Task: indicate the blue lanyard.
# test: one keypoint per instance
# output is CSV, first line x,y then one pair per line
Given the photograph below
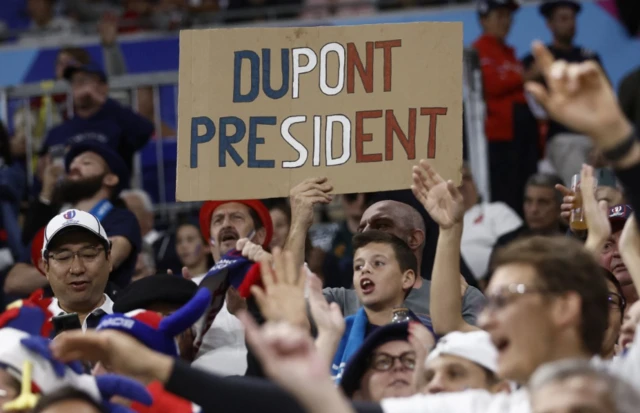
x,y
101,209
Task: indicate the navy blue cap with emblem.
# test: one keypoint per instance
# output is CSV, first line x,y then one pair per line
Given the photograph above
x,y
548,6
486,6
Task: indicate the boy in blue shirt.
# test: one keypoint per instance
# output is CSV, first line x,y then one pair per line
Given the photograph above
x,y
384,271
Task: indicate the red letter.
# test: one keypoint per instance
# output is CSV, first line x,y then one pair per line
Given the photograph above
x,y
391,126
433,122
362,137
366,74
387,45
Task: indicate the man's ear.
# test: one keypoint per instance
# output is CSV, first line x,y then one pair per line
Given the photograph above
x,y
566,310
45,265
260,236
408,280
111,180
416,239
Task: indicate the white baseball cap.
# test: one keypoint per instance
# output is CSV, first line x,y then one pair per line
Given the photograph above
x,y
475,346
73,218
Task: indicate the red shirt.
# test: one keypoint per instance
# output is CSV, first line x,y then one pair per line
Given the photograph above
x,y
503,86
164,402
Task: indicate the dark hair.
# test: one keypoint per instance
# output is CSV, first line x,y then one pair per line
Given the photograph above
x,y
79,54
282,207
64,394
562,265
546,180
257,222
612,278
405,257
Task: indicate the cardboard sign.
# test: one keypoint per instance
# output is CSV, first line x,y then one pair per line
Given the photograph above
x,y
262,109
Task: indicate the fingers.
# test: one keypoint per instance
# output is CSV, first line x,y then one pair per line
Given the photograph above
x,y
564,190
261,299
279,266
432,176
240,245
186,274
543,57
267,272
539,92
76,345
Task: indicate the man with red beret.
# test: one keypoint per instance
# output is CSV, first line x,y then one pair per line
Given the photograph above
x,y
220,341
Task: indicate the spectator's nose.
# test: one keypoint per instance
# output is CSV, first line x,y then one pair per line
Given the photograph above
x,y
436,385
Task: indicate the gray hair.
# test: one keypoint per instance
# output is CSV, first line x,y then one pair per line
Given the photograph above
x,y
140,193
546,180
623,395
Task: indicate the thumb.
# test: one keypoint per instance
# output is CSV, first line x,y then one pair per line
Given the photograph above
x,y
241,243
538,92
185,273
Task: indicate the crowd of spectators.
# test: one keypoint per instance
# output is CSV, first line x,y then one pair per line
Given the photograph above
x,y
430,299
28,20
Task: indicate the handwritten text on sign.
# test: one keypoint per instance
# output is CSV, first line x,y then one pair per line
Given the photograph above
x,y
298,62
262,109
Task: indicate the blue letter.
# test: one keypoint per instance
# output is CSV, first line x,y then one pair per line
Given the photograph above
x,y
226,140
210,131
255,140
237,76
266,74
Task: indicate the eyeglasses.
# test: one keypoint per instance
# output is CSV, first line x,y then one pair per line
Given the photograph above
x,y
510,293
87,255
385,361
617,301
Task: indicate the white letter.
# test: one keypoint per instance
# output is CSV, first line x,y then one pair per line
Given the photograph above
x,y
298,70
324,87
346,140
317,125
300,148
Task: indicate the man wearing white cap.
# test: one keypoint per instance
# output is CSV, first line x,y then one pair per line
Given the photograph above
x,y
77,262
463,361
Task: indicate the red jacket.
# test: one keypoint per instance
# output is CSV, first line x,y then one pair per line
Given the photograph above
x,y
503,86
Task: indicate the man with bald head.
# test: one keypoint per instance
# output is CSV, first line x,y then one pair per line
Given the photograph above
x,y
393,217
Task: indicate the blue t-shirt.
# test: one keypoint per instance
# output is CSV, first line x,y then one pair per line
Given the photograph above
x,y
114,125
121,222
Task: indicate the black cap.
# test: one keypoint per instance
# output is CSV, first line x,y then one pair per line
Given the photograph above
x,y
486,6
160,288
358,363
112,158
547,8
91,68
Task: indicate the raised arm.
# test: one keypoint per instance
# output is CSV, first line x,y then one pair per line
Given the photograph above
x,y
445,205
303,198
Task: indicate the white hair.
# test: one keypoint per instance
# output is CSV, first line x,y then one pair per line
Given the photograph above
x,y
140,193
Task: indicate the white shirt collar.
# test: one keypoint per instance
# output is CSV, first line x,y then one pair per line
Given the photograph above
x,y
107,307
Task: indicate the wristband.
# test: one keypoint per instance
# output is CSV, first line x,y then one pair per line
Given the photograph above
x,y
620,150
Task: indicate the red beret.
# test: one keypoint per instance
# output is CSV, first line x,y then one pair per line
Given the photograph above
x,y
263,213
